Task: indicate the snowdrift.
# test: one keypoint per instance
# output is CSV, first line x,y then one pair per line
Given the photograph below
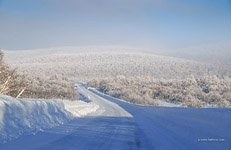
x,y
18,117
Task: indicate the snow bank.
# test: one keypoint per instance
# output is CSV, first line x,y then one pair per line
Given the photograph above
x,y
18,117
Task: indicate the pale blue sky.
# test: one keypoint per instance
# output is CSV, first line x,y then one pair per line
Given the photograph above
x,y
166,24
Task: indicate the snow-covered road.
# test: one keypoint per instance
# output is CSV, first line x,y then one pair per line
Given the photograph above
x,y
107,108
120,125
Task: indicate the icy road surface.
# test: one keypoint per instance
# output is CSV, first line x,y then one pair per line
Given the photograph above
x,y
120,125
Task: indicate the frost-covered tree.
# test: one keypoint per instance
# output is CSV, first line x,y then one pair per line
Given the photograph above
x,y
189,92
10,82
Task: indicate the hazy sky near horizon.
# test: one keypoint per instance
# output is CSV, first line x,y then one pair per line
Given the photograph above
x,y
167,24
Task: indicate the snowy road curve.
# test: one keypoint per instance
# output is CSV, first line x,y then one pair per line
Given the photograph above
x,y
120,125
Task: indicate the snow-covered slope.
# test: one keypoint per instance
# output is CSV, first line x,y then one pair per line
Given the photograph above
x,y
18,117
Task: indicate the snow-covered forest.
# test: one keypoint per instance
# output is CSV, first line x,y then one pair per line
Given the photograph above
x,y
17,84
82,64
206,91
125,73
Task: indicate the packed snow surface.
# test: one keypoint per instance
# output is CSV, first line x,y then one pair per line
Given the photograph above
x,y
80,108
24,116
